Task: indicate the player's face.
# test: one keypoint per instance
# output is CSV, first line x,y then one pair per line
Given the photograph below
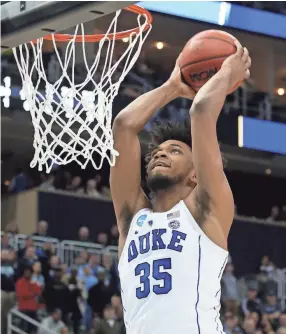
x,y
171,161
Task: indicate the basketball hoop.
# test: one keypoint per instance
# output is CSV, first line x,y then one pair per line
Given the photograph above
x,y
72,120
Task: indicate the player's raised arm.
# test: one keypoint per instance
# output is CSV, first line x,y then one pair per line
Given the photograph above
x,y
213,188
125,177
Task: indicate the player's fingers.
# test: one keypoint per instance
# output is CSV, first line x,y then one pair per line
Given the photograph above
x,y
238,47
245,55
247,74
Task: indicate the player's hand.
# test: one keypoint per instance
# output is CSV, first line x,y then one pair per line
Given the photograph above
x,y
237,65
182,90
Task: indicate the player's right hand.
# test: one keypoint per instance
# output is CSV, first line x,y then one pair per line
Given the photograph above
x,y
237,65
182,90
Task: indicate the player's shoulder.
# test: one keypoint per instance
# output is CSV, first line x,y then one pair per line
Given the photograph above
x,y
128,214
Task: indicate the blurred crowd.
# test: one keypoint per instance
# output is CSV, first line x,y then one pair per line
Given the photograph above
x,y
92,186
81,298
58,180
253,308
84,297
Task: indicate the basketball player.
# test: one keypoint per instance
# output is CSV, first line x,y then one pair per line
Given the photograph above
x,y
173,247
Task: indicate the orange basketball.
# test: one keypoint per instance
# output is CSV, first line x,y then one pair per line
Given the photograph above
x,y
203,56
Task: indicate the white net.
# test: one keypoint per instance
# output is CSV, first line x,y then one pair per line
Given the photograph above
x,y
71,119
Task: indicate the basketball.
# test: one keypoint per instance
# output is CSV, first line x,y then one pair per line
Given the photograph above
x,y
203,56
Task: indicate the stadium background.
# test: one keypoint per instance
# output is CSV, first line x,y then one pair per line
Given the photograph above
x,y
66,221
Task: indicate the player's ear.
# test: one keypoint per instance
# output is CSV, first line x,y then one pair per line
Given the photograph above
x,y
192,181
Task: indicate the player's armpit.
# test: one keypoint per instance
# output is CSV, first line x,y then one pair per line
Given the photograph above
x,y
125,176
213,189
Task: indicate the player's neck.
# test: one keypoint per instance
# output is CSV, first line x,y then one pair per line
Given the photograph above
x,y
165,200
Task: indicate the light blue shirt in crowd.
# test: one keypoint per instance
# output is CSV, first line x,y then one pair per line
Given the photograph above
x,y
89,281
38,279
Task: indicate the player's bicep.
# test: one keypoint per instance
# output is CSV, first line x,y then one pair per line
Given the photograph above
x,y
125,176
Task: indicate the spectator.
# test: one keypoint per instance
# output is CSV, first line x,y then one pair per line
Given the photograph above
x,y
91,189
108,325
79,261
256,317
42,229
107,261
28,243
48,182
75,296
94,264
111,275
114,235
67,178
7,286
267,266
274,215
49,267
251,303
53,323
282,320
64,330
27,293
12,228
105,191
117,306
100,294
84,255
88,282
48,250
75,185
266,325
54,69
102,239
83,234
5,242
229,289
37,276
28,260
19,182
249,326
231,324
57,295
272,309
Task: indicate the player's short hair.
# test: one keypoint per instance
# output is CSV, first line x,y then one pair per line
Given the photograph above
x,y
163,131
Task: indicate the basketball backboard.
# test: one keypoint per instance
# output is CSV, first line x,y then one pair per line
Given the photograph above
x,y
23,21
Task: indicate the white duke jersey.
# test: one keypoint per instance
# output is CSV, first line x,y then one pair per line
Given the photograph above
x,y
170,274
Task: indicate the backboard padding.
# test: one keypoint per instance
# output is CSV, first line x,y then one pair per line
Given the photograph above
x,y
40,18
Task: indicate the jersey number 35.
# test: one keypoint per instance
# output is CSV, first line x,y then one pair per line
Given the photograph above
x,y
159,273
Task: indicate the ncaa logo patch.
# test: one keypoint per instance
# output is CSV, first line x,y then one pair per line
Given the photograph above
x,y
174,224
141,219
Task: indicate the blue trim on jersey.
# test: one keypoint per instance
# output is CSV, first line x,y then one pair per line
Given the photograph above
x,y
217,315
221,269
216,318
198,284
218,292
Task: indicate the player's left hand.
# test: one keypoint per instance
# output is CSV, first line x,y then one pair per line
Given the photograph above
x,y
181,88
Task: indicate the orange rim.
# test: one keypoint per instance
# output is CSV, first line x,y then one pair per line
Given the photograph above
x,y
98,37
